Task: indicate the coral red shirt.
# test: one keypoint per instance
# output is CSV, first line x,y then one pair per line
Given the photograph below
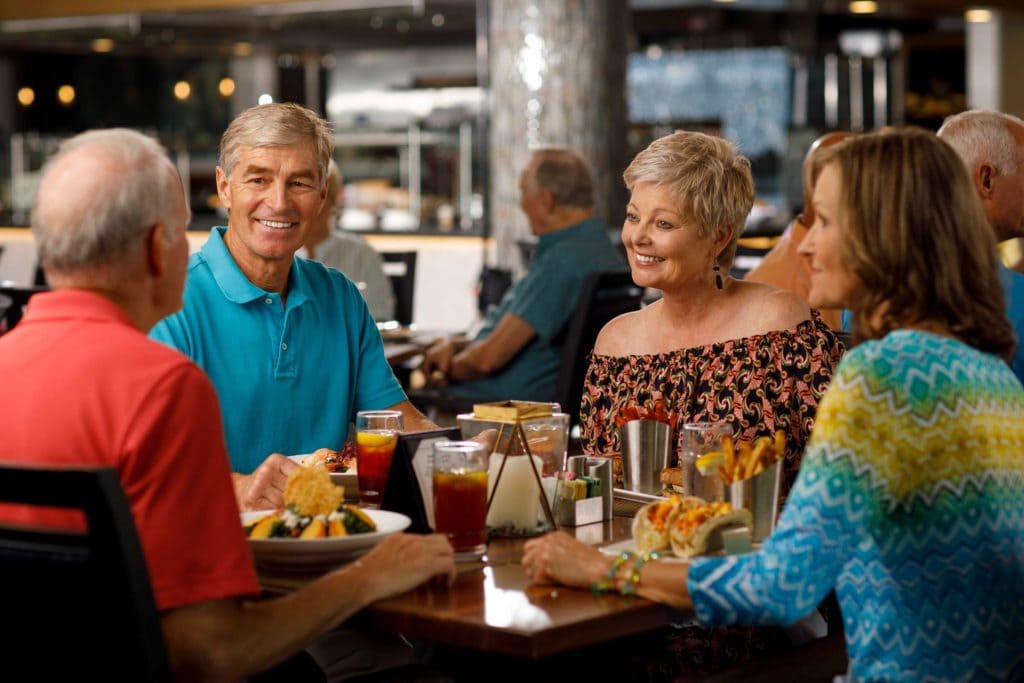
x,y
83,386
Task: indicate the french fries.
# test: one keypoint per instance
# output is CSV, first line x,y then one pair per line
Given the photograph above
x,y
744,460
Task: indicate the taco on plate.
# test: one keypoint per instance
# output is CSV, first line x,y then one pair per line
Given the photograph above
x,y
692,531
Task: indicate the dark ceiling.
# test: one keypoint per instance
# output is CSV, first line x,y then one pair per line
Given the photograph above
x,y
284,28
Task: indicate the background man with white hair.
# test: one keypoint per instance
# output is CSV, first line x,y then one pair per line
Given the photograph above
x,y
991,145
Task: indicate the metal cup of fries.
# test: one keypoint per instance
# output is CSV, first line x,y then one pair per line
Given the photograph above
x,y
752,474
760,495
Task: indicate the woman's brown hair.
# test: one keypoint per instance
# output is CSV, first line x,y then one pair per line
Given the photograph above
x,y
917,238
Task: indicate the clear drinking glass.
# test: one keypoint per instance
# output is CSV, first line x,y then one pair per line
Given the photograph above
x,y
376,437
700,438
460,496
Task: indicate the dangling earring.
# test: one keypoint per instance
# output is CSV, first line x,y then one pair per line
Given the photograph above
x,y
718,275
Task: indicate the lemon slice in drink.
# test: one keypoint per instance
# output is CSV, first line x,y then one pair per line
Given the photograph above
x,y
710,462
372,439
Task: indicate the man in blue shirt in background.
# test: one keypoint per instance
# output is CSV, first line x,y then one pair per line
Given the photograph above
x,y
991,145
516,354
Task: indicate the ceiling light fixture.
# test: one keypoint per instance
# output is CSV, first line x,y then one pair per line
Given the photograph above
x,y
863,6
242,49
26,96
978,15
103,45
226,87
182,90
66,95
320,6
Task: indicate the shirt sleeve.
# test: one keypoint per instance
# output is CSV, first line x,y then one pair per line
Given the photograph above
x,y
546,298
177,473
826,517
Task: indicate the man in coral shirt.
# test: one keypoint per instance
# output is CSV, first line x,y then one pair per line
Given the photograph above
x,y
85,386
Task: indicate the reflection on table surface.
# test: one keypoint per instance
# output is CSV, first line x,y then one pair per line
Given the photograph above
x,y
492,606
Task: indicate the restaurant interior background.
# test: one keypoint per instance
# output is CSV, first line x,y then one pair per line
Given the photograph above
x,y
435,102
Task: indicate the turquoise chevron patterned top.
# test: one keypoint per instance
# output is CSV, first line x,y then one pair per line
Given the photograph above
x,y
910,503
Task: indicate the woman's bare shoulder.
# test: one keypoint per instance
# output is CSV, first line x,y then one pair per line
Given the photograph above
x,y
770,308
618,336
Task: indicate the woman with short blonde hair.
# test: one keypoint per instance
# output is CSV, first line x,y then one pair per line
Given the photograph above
x,y
712,349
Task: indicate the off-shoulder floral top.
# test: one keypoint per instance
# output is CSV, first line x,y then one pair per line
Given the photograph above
x,y
762,383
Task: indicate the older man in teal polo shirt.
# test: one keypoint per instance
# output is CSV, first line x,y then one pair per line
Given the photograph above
x,y
289,344
515,354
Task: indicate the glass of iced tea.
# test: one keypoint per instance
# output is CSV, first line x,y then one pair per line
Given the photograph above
x,y
460,496
376,436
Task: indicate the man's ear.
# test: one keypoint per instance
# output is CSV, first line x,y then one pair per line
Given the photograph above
x,y
983,179
155,258
548,199
223,189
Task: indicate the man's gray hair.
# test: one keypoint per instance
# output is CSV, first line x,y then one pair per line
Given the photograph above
x,y
566,175
88,220
982,136
273,125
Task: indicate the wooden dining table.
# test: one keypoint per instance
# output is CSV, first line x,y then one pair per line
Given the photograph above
x,y
492,607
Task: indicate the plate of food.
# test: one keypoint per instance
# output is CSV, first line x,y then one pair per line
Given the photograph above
x,y
315,529
685,526
340,464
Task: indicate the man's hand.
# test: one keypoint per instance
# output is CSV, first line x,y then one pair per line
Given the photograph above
x,y
437,359
403,561
264,488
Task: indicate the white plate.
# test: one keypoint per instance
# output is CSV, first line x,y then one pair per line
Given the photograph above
x,y
347,479
320,553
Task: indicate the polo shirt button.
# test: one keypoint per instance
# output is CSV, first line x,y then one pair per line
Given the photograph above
x,y
268,300
284,346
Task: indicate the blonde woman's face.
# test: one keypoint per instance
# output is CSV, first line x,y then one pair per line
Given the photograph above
x,y
833,283
664,246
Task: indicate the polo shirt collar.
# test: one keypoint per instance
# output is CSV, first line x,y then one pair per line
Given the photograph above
x,y
545,242
232,281
78,304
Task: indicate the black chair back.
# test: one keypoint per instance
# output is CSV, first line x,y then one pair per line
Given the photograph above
x,y
77,605
400,267
604,296
12,304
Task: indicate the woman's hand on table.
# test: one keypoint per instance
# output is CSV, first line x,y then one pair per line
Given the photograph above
x,y
403,561
559,558
264,488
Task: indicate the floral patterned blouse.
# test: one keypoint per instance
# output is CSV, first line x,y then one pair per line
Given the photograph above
x,y
762,383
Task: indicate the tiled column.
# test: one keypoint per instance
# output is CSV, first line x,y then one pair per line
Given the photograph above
x,y
557,76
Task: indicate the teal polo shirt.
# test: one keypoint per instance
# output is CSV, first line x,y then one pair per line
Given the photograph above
x,y
544,298
1013,290
290,379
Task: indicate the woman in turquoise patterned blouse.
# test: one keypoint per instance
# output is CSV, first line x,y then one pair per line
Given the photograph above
x,y
909,499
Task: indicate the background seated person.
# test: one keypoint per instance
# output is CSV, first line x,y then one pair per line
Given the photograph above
x,y
515,355
85,387
991,145
782,266
289,344
348,252
908,500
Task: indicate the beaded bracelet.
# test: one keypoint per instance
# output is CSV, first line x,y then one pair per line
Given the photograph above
x,y
629,587
608,582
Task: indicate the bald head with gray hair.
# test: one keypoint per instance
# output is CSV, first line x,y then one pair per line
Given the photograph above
x,y
980,136
99,196
566,175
